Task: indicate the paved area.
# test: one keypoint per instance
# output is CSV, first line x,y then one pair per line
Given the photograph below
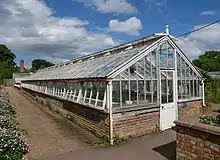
x,y
46,136
50,140
150,147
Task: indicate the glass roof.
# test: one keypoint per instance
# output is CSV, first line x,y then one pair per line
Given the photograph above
x,y
98,66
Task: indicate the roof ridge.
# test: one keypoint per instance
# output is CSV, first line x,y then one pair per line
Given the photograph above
x,y
114,48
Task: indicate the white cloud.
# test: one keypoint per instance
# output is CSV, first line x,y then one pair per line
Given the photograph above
x,y
110,6
199,42
29,27
161,2
208,13
131,26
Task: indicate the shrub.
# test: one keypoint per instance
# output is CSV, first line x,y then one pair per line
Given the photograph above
x,y
8,122
6,108
12,144
214,121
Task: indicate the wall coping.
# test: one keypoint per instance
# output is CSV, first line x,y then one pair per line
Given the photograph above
x,y
189,100
199,126
152,107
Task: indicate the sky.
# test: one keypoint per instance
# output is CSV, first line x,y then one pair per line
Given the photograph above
x,y
58,30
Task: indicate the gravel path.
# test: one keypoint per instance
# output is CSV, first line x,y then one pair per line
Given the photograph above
x,y
46,135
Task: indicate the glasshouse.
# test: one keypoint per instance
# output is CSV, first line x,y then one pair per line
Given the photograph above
x,y
128,90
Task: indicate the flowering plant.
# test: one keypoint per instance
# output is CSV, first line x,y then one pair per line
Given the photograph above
x,y
13,144
209,119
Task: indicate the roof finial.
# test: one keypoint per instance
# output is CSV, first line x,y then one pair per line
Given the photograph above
x,y
167,30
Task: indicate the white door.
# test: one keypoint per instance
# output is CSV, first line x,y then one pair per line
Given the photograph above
x,y
167,98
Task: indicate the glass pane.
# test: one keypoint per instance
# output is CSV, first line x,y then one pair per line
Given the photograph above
x,y
133,91
167,87
125,92
164,88
179,89
116,93
170,90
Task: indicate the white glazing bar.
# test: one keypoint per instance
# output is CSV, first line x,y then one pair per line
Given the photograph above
x,y
145,86
185,80
167,87
167,55
137,83
64,92
193,84
46,89
67,94
97,96
158,74
79,95
197,85
56,92
70,95
203,93
120,91
84,98
181,76
74,95
104,100
151,77
129,85
190,79
90,96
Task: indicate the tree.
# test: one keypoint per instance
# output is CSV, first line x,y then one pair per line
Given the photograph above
x,y
7,55
40,64
6,63
210,61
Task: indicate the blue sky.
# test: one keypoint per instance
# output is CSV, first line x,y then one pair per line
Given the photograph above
x,y
61,30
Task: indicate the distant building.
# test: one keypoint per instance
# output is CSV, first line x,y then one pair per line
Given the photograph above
x,y
215,74
17,78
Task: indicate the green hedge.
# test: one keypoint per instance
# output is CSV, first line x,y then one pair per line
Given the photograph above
x,y
212,90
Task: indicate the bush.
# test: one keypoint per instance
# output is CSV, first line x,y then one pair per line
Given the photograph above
x,y
214,121
8,122
6,108
212,90
12,144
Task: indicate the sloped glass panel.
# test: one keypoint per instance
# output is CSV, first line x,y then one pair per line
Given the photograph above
x,y
188,82
166,56
138,83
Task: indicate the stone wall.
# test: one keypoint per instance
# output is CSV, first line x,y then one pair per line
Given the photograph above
x,y
136,122
190,109
91,119
197,141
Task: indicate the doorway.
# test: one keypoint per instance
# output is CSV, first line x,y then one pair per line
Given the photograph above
x,y
167,98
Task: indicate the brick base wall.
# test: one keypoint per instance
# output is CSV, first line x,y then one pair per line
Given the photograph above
x,y
135,123
197,141
93,120
190,109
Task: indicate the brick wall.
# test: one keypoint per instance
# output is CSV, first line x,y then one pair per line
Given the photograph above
x,y
197,141
135,123
93,120
189,109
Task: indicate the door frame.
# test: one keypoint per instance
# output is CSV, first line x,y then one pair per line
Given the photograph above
x,y
174,93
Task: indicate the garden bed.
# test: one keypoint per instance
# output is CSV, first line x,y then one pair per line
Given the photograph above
x,y
13,144
210,120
